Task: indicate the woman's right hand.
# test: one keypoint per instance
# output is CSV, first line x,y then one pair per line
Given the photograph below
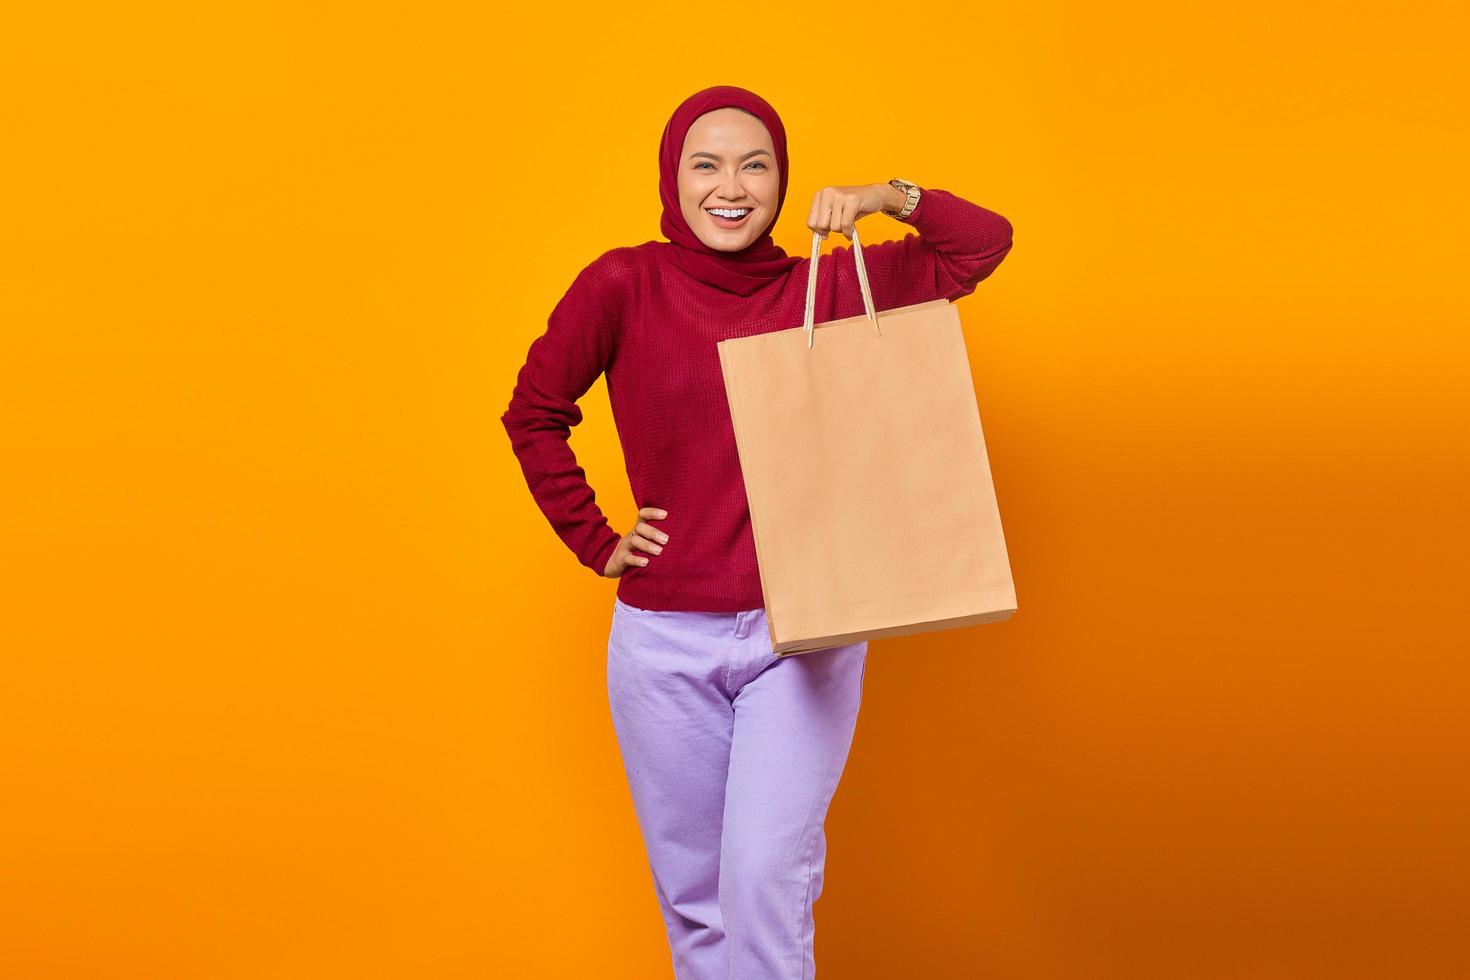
x,y
643,537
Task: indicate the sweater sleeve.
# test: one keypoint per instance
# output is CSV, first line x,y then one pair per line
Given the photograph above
x,y
957,246
560,367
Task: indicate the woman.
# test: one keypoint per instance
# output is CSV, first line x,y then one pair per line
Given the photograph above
x,y
732,754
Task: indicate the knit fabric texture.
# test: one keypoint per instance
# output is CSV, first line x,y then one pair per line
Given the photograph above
x,y
637,317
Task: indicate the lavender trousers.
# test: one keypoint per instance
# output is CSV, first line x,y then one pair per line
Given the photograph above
x,y
732,755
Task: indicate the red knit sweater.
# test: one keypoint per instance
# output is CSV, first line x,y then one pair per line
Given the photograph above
x,y
652,329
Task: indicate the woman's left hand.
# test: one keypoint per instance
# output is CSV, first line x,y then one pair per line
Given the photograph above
x,y
839,208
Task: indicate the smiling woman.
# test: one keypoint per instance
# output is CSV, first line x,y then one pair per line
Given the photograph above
x,y
728,180
724,149
732,752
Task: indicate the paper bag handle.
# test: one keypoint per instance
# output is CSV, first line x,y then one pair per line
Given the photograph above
x,y
811,285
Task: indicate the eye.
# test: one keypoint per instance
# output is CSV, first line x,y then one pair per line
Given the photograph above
x,y
753,163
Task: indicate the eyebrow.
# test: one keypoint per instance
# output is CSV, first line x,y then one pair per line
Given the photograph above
x,y
716,156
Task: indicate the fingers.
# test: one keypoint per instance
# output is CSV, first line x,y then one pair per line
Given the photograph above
x,y
625,548
646,537
652,533
622,559
826,199
644,544
846,215
834,209
817,215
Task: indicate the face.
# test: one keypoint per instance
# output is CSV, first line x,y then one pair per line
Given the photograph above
x,y
728,163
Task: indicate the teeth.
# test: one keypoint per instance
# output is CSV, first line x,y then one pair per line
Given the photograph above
x,y
726,213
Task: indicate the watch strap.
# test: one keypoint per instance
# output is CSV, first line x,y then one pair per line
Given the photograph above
x,y
912,190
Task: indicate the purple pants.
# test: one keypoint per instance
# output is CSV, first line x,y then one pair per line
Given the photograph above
x,y
732,755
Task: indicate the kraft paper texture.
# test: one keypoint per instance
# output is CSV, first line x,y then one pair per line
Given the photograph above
x,y
867,477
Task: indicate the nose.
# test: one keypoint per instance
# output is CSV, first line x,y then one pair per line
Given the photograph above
x,y
731,190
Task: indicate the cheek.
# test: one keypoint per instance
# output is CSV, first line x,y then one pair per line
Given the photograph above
x,y
691,194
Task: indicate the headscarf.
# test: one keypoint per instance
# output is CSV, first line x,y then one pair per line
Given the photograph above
x,y
760,262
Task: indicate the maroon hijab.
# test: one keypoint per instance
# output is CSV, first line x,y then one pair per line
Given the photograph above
x,y
760,262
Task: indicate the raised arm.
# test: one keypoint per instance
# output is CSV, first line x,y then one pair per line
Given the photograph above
x,y
957,246
560,367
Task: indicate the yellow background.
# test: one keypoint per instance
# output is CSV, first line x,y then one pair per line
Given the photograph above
x,y
298,683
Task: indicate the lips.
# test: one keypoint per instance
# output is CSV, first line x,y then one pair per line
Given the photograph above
x,y
724,222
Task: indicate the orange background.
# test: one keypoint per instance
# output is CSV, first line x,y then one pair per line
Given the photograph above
x,y
298,683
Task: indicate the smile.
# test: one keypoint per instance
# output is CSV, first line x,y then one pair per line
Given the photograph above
x,y
728,217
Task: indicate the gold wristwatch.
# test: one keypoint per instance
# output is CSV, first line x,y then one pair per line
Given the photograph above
x,y
912,190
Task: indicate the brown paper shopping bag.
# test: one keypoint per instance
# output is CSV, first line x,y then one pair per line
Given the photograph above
x,y
866,473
